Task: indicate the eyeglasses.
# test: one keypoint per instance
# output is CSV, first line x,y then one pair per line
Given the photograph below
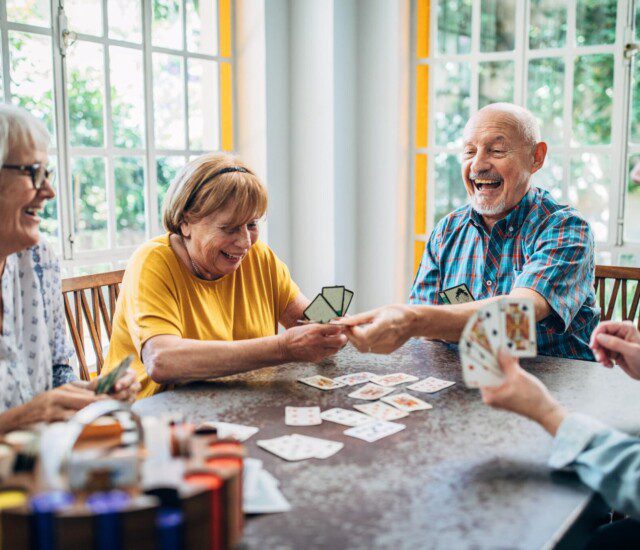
x,y
39,173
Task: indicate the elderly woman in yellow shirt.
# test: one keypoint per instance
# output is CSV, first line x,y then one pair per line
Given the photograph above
x,y
205,300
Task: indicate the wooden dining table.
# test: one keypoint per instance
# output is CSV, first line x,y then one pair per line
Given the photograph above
x,y
461,475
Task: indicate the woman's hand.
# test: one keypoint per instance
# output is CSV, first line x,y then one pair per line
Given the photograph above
x,y
311,342
60,403
524,394
125,389
618,342
385,329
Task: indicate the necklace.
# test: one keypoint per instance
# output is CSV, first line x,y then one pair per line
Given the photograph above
x,y
193,264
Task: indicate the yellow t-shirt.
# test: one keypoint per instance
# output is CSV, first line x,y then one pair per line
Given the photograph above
x,y
159,295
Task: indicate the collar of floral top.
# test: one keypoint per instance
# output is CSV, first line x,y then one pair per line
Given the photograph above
x,y
509,225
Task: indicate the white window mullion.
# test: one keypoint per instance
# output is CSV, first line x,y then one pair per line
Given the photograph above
x,y
568,98
521,48
185,76
108,134
6,66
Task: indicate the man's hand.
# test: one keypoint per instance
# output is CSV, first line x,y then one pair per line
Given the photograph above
x,y
384,329
125,389
524,394
311,342
617,342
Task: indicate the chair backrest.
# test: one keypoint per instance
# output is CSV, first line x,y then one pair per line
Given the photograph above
x,y
82,313
622,279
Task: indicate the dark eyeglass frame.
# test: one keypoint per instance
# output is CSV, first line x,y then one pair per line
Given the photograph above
x,y
39,172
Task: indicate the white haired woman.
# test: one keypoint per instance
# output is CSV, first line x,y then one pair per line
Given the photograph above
x,y
205,300
36,382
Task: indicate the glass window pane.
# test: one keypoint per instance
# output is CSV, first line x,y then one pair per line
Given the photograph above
x,y
85,90
453,82
202,26
166,28
89,203
127,96
550,176
547,24
637,21
203,104
592,99
85,16
634,130
595,22
496,82
454,26
49,225
590,188
125,21
450,190
168,97
630,260
632,201
167,168
545,96
498,21
32,75
130,217
31,12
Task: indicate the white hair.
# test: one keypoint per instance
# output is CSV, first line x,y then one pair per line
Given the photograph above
x,y
522,118
20,129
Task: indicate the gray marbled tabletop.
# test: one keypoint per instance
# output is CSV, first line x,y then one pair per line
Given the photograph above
x,y
459,476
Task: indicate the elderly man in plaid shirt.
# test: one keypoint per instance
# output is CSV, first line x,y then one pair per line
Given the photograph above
x,y
512,238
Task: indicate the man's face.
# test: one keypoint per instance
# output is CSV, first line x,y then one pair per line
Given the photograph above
x,y
496,163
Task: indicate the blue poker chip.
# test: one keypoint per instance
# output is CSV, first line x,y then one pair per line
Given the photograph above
x,y
49,502
169,523
108,502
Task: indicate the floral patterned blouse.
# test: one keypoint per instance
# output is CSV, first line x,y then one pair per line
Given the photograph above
x,y
34,349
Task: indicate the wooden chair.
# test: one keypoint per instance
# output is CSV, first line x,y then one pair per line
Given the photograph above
x,y
82,313
620,277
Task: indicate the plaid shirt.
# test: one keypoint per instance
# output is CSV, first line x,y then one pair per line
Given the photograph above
x,y
540,245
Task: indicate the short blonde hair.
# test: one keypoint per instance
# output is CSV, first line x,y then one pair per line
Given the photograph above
x,y
199,190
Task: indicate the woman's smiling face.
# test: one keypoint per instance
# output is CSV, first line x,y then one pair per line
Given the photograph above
x,y
217,245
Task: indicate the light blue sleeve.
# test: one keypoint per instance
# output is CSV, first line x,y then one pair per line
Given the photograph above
x,y
606,460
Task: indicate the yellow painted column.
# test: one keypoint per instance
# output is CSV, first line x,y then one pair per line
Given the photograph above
x,y
226,76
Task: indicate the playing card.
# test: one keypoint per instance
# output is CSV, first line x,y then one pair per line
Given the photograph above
x,y
288,447
430,385
458,294
475,332
355,378
443,297
374,430
480,369
348,296
232,431
390,380
321,382
320,311
406,402
345,417
518,327
302,416
335,296
489,315
370,392
322,448
380,411
107,383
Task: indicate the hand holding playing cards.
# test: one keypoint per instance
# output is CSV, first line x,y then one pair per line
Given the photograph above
x,y
311,342
524,394
387,328
59,404
618,342
124,389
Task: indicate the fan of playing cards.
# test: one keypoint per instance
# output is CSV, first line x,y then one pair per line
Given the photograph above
x,y
332,302
508,323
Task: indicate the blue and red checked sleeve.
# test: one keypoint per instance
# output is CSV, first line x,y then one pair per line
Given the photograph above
x,y
427,281
561,268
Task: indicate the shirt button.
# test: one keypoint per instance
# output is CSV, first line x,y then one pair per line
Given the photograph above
x,y
489,283
510,228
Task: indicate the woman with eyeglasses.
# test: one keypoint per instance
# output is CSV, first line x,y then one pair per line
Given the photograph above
x,y
36,381
205,300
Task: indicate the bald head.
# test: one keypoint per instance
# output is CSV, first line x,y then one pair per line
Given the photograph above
x,y
519,118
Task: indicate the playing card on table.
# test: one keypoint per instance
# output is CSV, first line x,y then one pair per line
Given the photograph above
x,y
302,416
406,402
334,295
320,311
370,392
322,448
518,327
288,448
345,417
390,380
321,382
231,431
381,411
355,378
430,385
375,430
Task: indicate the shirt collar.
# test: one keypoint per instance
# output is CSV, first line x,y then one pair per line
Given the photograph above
x,y
512,222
